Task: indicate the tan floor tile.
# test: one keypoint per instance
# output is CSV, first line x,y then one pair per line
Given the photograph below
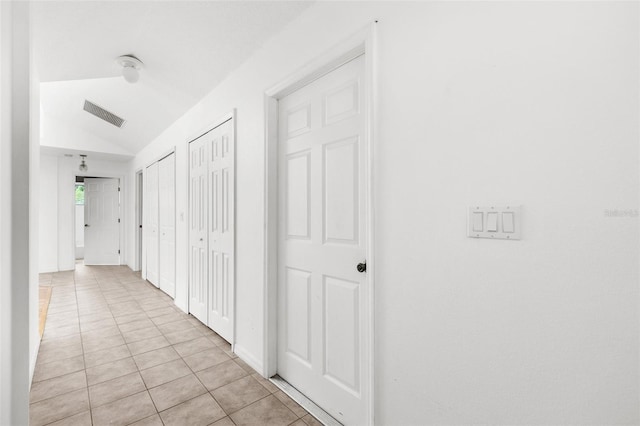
x,y
290,403
58,368
239,394
167,318
221,374
81,419
160,311
193,346
164,373
183,336
92,344
200,411
101,333
86,326
266,383
59,407
57,386
111,370
52,333
246,367
124,411
156,357
136,325
205,359
175,392
124,319
147,345
268,411
225,421
115,389
141,334
73,339
311,421
105,356
172,327
149,421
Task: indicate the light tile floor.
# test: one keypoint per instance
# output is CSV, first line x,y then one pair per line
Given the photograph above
x,y
116,351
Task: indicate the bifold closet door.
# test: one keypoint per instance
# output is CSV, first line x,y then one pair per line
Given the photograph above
x,y
212,229
221,230
198,207
151,228
167,224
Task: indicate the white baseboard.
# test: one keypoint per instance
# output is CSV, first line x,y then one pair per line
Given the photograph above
x,y
247,357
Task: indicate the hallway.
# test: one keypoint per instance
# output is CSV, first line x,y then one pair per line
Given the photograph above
x,y
116,351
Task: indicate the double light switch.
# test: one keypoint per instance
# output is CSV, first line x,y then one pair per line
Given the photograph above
x,y
497,222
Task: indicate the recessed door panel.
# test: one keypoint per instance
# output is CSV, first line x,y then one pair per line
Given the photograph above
x,y
341,301
298,314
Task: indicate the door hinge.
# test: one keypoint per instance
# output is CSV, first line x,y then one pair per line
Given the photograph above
x,y
118,251
118,189
118,220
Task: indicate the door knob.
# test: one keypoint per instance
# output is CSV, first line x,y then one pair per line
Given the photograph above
x,y
86,225
362,267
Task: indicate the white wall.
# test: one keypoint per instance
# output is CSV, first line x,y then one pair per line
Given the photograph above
x,y
57,175
478,103
17,227
48,214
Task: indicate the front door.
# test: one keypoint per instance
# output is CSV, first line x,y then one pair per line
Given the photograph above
x,y
101,221
323,296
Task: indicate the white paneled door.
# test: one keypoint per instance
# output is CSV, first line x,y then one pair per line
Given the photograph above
x,y
198,230
101,218
151,233
167,224
323,293
221,230
212,229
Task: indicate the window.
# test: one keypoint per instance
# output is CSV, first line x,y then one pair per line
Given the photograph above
x,y
79,194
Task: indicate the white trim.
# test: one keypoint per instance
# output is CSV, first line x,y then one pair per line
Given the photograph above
x,y
247,357
216,123
362,43
162,156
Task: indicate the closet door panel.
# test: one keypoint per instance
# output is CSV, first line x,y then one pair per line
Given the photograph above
x,y
151,214
198,228
167,225
222,230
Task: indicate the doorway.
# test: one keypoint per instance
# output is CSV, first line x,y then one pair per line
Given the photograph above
x,y
101,221
319,247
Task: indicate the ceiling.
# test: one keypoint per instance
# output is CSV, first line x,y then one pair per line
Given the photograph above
x,y
187,47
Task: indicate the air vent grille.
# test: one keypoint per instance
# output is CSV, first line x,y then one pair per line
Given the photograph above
x,y
102,113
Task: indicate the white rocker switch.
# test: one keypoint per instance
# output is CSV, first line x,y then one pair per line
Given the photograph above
x,y
478,219
492,222
508,222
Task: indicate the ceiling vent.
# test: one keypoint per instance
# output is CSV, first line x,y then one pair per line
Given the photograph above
x,y
102,113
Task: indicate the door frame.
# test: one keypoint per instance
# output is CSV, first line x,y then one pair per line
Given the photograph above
x,y
231,115
122,207
138,264
362,43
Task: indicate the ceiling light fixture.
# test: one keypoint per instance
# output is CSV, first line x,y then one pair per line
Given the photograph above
x,y
83,166
130,67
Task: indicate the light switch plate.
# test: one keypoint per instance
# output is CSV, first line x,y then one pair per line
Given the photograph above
x,y
500,222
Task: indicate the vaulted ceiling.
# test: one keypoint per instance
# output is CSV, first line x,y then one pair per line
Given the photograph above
x,y
187,47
